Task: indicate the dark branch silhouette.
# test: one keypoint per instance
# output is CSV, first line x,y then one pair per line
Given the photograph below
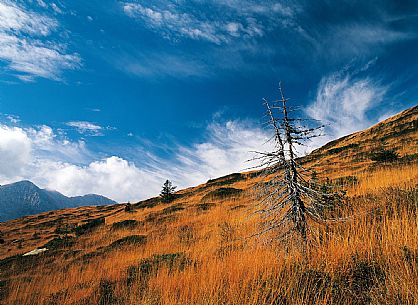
x,y
288,199
167,192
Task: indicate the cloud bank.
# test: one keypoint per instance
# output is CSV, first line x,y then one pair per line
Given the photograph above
x,y
50,160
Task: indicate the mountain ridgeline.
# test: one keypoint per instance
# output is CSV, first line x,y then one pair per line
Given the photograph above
x,y
25,198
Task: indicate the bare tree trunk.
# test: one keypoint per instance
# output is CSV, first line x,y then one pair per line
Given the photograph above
x,y
298,207
288,200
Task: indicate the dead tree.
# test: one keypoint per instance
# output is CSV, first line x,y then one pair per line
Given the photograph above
x,y
287,199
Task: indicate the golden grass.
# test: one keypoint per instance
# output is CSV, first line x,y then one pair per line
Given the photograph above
x,y
200,254
394,176
368,260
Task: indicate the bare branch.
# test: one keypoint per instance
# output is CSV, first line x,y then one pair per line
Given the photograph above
x,y
290,197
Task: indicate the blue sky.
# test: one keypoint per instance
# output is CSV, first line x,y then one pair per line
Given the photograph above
x,y
114,97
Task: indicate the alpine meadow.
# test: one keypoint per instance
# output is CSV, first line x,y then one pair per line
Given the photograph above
x,y
208,152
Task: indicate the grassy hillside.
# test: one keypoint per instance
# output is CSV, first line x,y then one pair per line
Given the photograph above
x,y
351,154
195,251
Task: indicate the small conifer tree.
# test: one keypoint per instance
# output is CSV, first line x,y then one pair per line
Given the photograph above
x,y
128,207
167,192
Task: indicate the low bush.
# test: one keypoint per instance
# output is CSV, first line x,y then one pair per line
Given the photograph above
x,y
342,148
172,209
205,206
384,156
229,179
107,293
3,289
59,242
222,193
355,285
150,266
89,226
128,240
346,180
125,224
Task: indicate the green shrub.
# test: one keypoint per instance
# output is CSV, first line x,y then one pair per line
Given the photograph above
x,y
347,180
410,257
172,261
4,288
149,266
355,285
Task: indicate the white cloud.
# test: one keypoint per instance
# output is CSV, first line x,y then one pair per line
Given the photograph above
x,y
15,151
359,38
24,48
14,119
54,162
56,8
162,64
41,3
15,18
227,149
239,26
233,28
173,23
84,127
113,177
43,156
343,101
249,7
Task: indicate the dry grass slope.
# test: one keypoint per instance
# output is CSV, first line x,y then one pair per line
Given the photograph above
x,y
194,250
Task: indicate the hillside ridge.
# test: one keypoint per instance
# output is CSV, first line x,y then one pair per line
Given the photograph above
x,y
186,251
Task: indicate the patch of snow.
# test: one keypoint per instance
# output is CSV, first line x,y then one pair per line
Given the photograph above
x,y
35,252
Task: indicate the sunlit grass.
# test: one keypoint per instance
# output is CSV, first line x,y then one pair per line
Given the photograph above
x,y
224,267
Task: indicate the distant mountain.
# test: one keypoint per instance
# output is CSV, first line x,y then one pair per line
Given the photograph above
x,y
25,198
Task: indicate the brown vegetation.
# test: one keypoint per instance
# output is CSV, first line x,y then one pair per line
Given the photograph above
x,y
195,251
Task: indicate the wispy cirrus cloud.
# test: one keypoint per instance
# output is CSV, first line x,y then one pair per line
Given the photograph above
x,y
234,26
227,147
175,65
215,22
343,102
26,46
173,24
263,36
88,128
